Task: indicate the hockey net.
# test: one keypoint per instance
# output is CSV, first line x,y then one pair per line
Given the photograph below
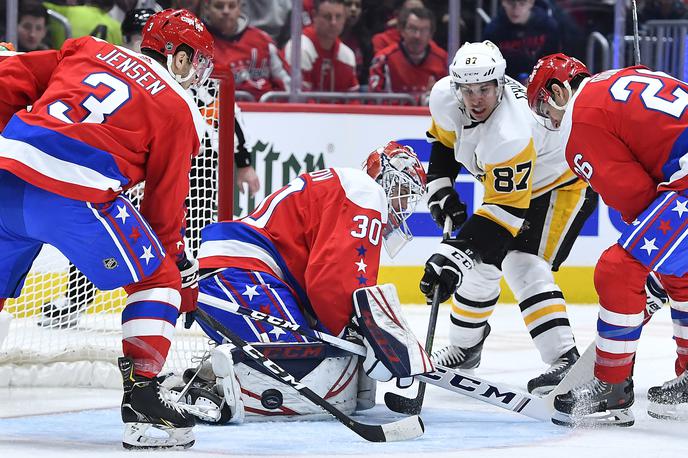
x,y
53,342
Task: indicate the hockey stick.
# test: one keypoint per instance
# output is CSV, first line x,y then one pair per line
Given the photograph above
x,y
636,34
413,406
407,428
455,380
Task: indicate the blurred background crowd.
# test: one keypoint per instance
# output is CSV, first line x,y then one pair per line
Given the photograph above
x,y
357,47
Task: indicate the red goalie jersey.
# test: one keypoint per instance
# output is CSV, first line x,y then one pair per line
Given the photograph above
x,y
321,235
627,136
99,128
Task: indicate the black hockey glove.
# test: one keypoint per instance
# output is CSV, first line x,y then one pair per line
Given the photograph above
x,y
445,269
444,201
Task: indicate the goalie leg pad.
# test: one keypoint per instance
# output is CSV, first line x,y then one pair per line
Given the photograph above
x,y
393,350
227,381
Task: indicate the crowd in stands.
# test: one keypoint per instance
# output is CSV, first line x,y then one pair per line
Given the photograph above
x,y
376,46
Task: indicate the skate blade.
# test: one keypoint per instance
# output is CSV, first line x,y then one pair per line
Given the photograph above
x,y
674,412
618,417
147,436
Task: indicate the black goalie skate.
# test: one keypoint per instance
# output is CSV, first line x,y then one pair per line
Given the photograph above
x,y
595,403
546,382
455,357
669,401
145,406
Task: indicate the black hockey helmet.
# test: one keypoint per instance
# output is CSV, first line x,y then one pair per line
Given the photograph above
x,y
135,19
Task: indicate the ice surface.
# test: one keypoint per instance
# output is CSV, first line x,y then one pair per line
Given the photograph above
x,y
81,422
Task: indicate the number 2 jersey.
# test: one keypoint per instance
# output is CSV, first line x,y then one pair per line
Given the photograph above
x,y
103,119
321,234
626,133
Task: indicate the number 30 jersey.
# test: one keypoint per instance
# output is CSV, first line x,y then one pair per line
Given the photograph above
x,y
321,234
626,133
102,120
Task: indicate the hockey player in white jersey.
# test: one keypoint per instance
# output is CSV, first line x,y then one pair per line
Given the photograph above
x,y
533,209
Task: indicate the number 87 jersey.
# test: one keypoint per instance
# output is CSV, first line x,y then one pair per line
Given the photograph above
x,y
321,235
626,134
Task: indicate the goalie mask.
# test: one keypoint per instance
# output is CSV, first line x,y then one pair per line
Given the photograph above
x,y
476,63
167,30
397,169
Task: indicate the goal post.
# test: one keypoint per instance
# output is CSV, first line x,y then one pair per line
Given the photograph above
x,y
80,345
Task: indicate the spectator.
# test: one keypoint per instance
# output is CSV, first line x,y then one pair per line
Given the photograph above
x,y
252,55
524,33
32,27
91,18
327,64
192,5
663,9
392,34
357,37
270,16
415,63
132,26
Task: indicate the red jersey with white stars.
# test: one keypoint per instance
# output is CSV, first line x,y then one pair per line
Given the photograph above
x,y
626,134
103,119
321,234
392,71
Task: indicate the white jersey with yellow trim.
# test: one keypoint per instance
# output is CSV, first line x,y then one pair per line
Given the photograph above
x,y
501,139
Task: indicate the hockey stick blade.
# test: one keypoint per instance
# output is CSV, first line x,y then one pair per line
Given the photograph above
x,y
404,429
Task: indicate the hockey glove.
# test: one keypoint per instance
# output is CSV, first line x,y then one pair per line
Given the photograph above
x,y
445,269
188,268
444,201
656,296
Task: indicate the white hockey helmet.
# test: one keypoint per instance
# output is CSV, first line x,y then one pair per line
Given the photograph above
x,y
477,63
397,169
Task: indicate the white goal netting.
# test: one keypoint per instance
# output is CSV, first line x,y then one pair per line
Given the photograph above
x,y
65,332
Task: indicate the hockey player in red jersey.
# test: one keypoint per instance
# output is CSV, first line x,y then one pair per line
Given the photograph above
x,y
102,120
308,254
625,133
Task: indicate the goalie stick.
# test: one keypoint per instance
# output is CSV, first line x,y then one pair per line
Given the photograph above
x,y
497,394
407,428
413,406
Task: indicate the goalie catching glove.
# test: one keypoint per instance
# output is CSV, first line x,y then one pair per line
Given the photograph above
x,y
445,268
393,350
443,202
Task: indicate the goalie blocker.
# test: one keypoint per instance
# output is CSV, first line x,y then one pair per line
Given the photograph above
x,y
238,388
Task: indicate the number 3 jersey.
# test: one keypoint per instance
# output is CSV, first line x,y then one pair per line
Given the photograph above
x,y
102,120
626,134
321,234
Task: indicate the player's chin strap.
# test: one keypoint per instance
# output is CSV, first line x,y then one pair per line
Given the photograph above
x,y
179,78
552,103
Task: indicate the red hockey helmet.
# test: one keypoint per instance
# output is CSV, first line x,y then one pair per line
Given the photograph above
x,y
397,169
165,31
558,67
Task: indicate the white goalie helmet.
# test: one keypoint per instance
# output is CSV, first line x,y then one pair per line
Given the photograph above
x,y
397,169
477,63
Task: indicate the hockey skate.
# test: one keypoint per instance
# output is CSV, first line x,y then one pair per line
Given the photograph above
x,y
145,406
201,396
546,382
455,357
595,403
669,401
60,313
